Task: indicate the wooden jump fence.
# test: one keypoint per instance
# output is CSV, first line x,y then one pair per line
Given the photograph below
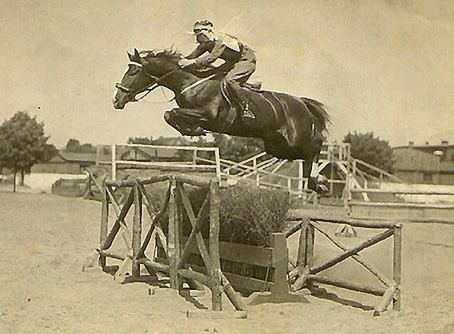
x,y
179,249
306,273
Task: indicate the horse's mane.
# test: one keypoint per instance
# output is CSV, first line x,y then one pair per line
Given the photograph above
x,y
167,53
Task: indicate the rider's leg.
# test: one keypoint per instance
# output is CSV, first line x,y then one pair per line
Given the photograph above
x,y
238,75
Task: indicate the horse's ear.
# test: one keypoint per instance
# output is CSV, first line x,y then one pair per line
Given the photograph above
x,y
130,56
136,53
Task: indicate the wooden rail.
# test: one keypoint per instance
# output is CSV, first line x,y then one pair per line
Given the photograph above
x,y
306,273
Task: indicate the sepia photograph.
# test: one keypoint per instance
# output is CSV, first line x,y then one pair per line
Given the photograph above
x,y
211,166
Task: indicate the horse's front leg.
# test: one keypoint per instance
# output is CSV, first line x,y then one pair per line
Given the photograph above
x,y
187,121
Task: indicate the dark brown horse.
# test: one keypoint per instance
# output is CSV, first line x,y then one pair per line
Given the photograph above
x,y
291,127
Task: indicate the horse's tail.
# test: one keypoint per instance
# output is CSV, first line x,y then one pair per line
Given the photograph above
x,y
318,110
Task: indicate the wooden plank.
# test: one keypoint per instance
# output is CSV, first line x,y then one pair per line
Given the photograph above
x,y
403,205
397,265
111,254
351,222
131,183
403,192
154,266
386,300
173,256
136,230
347,285
253,255
242,282
374,271
301,259
194,180
215,272
280,264
104,226
194,275
349,252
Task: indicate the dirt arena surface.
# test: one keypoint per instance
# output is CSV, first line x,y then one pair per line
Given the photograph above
x,y
45,240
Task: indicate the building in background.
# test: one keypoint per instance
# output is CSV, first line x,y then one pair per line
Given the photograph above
x,y
432,164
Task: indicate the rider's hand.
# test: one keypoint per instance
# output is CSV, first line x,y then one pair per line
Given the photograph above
x,y
186,62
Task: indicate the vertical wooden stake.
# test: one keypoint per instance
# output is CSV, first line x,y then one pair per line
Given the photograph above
x,y
397,265
173,256
104,224
280,288
301,260
178,231
310,245
216,275
136,230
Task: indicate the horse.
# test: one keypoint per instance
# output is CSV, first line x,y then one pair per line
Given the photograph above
x,y
291,127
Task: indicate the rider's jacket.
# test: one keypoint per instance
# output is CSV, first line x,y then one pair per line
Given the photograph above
x,y
225,47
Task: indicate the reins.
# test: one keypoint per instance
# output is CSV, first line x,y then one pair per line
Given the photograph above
x,y
157,82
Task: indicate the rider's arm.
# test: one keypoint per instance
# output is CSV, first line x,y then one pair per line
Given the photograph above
x,y
198,51
217,51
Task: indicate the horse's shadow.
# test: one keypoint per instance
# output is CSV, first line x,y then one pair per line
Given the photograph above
x,y
159,282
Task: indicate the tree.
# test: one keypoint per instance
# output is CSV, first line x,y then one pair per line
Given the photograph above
x,y
373,150
22,144
73,145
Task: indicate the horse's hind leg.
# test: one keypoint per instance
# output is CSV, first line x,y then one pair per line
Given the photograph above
x,y
186,121
316,181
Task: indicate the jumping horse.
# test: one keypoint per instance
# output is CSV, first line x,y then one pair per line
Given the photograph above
x,y
291,127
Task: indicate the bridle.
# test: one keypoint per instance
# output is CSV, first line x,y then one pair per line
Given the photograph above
x,y
157,82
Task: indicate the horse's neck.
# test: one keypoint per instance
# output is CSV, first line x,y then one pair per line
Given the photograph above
x,y
179,80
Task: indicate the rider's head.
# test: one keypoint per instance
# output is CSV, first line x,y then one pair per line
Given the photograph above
x,y
203,31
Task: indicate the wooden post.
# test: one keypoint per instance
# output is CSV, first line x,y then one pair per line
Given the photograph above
x,y
136,230
217,158
178,231
310,245
301,260
280,288
173,259
397,265
300,178
114,162
216,274
104,224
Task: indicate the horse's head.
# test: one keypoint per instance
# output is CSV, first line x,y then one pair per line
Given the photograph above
x,y
134,81
145,69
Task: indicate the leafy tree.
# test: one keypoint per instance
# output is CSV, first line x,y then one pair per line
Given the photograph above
x,y
22,144
141,140
73,145
373,150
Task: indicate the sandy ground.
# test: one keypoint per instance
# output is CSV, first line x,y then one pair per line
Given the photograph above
x,y
45,240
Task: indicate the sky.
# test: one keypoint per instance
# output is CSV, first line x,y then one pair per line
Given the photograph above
x,y
384,66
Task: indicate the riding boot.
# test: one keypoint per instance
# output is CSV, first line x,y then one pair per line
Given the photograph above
x,y
242,101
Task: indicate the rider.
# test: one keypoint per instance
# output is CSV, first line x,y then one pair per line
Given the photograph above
x,y
239,58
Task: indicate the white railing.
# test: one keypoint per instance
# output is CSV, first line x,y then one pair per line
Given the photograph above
x,y
116,163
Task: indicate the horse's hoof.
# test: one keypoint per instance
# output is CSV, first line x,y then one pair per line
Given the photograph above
x,y
322,189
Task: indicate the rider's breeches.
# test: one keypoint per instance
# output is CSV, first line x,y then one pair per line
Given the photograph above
x,y
243,69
